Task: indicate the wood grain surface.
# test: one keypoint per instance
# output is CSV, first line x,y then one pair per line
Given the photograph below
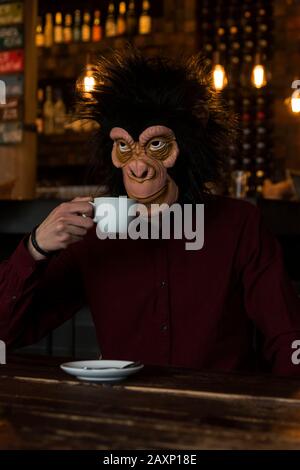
x,y
41,407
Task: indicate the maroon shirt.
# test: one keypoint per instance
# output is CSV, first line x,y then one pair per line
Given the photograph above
x,y
151,300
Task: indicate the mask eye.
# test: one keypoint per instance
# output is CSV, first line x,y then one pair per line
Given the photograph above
x,y
123,146
157,145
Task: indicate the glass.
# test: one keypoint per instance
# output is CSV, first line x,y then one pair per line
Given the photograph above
x,y
239,184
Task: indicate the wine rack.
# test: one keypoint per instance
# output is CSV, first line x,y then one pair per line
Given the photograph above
x,y
239,34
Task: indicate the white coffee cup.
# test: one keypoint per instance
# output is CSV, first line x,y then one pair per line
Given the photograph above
x,y
111,214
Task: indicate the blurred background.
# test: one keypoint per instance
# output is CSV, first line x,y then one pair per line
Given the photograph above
x,y
46,47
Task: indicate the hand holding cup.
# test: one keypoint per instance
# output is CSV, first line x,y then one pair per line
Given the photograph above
x,y
68,223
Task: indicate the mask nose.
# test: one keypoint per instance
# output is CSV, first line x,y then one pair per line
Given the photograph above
x,y
139,170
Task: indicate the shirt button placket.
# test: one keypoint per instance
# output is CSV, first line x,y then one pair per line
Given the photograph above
x,y
163,314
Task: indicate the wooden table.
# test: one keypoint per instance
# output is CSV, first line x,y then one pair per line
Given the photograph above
x,y
160,408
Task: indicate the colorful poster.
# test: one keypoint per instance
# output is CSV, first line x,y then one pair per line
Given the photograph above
x,y
13,85
11,132
11,37
11,61
11,111
11,13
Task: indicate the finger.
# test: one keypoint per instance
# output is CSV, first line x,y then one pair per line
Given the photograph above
x,y
79,221
78,231
82,199
78,207
72,239
75,238
66,239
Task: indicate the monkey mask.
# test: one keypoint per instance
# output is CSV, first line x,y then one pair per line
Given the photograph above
x,y
145,163
163,133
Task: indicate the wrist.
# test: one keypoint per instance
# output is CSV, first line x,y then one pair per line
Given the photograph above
x,y
34,253
35,249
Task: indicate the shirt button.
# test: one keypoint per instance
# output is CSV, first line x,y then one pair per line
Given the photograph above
x,y
164,327
163,284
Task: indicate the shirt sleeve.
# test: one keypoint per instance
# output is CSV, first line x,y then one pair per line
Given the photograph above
x,y
270,299
37,296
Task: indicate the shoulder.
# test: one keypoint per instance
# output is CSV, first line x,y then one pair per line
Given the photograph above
x,y
230,211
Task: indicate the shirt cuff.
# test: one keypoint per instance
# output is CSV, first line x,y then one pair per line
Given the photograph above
x,y
23,262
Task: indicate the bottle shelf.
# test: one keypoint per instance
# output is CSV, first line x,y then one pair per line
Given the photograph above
x,y
63,149
66,137
68,60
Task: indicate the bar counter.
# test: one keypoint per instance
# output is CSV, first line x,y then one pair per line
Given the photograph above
x,y
41,407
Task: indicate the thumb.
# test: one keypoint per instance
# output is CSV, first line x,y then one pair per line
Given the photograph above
x,y
82,199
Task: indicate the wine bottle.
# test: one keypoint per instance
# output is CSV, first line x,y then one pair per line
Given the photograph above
x,y
59,111
110,25
39,36
39,112
145,21
86,27
77,28
48,32
131,19
121,19
68,33
48,112
58,28
97,28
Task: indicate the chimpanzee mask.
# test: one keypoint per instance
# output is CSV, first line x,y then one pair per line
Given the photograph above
x,y
145,163
163,133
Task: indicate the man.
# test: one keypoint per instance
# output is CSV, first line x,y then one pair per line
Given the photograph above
x,y
163,138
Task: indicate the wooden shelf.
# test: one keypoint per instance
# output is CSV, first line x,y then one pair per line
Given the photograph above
x,y
63,149
68,138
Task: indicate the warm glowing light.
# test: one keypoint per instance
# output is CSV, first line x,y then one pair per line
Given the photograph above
x,y
259,76
219,76
295,104
88,83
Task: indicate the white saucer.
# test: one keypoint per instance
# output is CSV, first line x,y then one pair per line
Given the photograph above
x,y
101,370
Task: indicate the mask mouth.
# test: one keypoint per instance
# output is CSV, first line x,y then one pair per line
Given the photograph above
x,y
168,194
152,198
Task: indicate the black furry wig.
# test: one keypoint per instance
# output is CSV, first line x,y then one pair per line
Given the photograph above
x,y
133,91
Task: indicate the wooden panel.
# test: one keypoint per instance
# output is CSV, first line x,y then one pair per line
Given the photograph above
x,y
27,163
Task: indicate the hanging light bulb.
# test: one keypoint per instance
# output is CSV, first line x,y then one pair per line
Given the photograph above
x,y
258,74
219,74
89,83
220,80
86,83
295,102
295,98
